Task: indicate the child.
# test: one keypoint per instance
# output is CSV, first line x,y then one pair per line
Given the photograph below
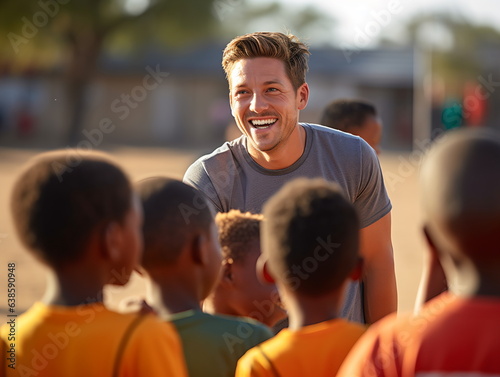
x,y
310,248
456,333
183,260
356,117
239,291
77,213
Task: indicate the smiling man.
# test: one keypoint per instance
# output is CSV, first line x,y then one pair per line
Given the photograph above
x,y
267,89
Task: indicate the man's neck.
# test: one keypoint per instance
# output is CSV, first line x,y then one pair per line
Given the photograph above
x,y
283,155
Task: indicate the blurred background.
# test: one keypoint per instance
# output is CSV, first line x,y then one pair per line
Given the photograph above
x,y
149,72
143,80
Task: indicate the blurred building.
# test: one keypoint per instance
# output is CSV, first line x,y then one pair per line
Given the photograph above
x,y
182,99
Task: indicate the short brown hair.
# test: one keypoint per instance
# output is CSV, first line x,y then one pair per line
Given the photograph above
x,y
286,48
62,197
236,231
170,218
345,114
304,218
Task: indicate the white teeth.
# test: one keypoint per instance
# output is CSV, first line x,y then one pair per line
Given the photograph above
x,y
262,122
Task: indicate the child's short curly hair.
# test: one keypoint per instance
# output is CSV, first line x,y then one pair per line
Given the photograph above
x,y
237,230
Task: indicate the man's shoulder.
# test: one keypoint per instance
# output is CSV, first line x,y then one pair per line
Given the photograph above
x,y
226,152
334,145
223,160
327,140
331,133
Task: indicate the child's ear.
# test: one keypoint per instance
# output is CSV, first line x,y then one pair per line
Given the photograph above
x,y
113,241
357,270
227,272
430,243
141,271
434,281
199,249
263,271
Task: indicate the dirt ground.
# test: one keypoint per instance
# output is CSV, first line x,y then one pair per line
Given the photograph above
x,y
400,171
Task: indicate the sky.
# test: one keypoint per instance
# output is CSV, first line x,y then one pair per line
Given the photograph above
x,y
362,23
376,18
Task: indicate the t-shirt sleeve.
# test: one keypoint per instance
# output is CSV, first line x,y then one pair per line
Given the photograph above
x,y
197,176
374,354
254,364
372,201
154,349
261,334
265,333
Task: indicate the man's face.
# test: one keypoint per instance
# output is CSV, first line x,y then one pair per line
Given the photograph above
x,y
264,102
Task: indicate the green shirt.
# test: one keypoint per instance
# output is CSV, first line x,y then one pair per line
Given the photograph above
x,y
213,343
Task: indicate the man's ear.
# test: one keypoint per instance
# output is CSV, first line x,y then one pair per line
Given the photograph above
x,y
263,272
113,242
303,96
357,270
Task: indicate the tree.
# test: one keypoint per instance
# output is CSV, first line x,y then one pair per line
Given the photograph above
x,y
457,58
308,23
76,32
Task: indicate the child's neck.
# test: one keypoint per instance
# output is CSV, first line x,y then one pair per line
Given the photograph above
x,y
218,303
309,311
471,282
73,287
171,298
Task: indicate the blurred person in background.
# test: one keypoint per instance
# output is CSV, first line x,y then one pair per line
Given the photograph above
x,y
356,117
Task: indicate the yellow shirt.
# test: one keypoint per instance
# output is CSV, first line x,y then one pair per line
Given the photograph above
x,y
316,350
85,341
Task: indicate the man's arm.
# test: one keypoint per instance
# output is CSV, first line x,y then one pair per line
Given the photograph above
x,y
197,176
380,294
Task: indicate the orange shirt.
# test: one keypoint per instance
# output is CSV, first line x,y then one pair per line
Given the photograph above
x,y
316,350
452,337
84,341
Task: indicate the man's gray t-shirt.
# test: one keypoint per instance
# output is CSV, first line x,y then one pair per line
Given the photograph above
x,y
231,179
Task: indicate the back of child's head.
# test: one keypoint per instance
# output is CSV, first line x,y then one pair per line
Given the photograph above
x,y
237,231
63,197
460,182
173,214
310,236
344,114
